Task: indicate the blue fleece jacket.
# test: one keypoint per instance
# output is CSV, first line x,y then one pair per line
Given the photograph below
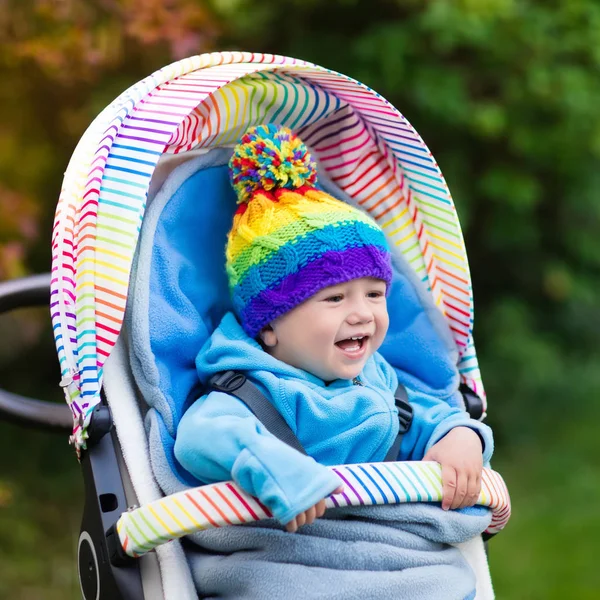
x,y
219,438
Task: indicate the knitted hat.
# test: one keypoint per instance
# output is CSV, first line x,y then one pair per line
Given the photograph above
x,y
289,240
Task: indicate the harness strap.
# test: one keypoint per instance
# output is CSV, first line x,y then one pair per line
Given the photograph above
x,y
236,384
405,417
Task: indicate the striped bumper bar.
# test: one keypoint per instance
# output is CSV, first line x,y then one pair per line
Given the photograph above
x,y
223,504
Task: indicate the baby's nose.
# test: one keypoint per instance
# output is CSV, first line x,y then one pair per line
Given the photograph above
x,y
360,315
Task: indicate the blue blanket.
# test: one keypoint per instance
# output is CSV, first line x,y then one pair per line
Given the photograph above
x,y
375,552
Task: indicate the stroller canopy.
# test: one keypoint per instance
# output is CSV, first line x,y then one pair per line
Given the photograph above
x,y
364,144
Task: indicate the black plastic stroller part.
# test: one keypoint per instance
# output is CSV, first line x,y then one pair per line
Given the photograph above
x,y
473,403
104,573
24,293
104,491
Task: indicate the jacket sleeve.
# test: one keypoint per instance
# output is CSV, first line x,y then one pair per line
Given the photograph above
x,y
433,419
219,439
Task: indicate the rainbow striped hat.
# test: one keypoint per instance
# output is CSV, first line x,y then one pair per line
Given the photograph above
x,y
289,239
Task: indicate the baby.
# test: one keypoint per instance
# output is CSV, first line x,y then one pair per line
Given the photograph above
x,y
309,277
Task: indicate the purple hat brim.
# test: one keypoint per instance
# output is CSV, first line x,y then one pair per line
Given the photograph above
x,y
331,268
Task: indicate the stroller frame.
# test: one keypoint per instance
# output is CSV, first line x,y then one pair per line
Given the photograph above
x,y
106,571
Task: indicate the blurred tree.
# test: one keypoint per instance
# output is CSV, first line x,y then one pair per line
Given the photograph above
x,y
61,62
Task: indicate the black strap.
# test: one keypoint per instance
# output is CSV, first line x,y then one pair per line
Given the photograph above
x,y
405,416
236,384
473,403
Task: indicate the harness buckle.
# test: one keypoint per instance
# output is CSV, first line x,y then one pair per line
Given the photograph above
x,y
227,381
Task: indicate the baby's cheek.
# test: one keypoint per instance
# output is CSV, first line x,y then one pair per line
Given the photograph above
x,y
321,339
381,332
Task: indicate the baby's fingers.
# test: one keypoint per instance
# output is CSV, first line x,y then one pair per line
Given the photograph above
x,y
292,526
310,515
462,486
448,486
473,491
301,519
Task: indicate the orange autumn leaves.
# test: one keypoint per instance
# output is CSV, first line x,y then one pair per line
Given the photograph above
x,y
62,62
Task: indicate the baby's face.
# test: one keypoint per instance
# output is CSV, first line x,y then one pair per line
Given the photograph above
x,y
332,334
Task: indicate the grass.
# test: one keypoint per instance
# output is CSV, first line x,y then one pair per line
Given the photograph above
x,y
41,499
549,548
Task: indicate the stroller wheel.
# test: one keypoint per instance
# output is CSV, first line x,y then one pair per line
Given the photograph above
x,y
87,566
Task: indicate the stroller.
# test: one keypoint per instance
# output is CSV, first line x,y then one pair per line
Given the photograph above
x,y
136,290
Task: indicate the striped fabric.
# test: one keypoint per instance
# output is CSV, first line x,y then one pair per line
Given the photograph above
x,y
223,504
365,145
241,255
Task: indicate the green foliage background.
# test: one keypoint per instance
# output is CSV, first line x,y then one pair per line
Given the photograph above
x,y
506,95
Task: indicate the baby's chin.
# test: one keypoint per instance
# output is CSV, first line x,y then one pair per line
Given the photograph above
x,y
332,370
347,372
350,375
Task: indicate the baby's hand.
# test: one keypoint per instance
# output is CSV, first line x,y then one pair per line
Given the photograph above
x,y
310,514
460,455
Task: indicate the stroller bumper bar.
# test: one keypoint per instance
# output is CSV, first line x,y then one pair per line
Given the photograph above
x,y
221,504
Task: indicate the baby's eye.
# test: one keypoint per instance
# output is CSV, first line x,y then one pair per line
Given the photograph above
x,y
375,294
336,298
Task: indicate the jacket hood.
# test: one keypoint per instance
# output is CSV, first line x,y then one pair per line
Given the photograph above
x,y
230,347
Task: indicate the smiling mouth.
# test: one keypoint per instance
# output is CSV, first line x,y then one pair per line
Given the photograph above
x,y
353,346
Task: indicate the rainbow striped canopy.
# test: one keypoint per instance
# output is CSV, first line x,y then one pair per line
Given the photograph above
x,y
366,146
